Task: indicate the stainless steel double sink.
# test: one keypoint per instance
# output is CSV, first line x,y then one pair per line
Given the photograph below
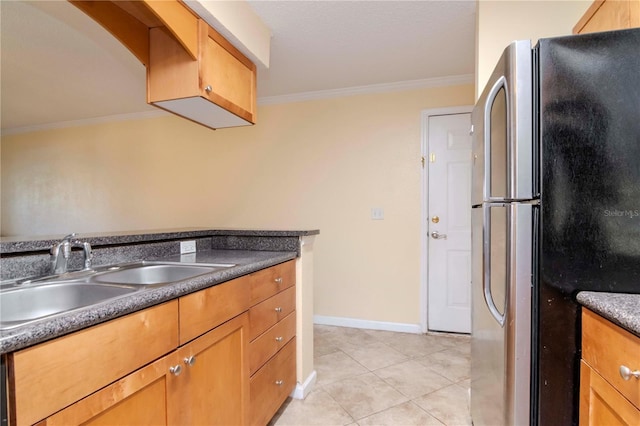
x,y
26,301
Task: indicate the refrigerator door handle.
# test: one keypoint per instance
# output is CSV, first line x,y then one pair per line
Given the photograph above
x,y
486,260
488,104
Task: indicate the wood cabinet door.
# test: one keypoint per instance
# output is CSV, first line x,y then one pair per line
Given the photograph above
x,y
607,15
601,403
213,387
69,368
137,399
228,78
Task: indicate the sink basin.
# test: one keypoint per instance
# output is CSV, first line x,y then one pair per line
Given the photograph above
x,y
22,305
152,274
29,300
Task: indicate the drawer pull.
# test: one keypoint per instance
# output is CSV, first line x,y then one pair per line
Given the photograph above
x,y
278,309
278,280
279,339
190,361
175,370
279,382
626,372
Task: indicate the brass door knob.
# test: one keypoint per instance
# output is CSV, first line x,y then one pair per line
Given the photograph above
x,y
435,219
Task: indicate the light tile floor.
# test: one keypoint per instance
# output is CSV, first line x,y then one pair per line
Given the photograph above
x,y
368,377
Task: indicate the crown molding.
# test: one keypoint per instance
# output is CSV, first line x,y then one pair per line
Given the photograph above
x,y
363,90
267,100
85,122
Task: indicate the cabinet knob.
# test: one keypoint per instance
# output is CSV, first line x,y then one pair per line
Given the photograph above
x,y
278,280
208,89
278,309
190,360
279,382
175,370
626,372
279,339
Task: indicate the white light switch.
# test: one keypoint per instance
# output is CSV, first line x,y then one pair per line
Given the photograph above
x,y
377,213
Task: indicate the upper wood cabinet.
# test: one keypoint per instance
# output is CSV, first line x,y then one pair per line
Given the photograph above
x,y
217,90
605,15
192,71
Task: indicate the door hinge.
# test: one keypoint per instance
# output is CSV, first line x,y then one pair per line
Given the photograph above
x,y
432,157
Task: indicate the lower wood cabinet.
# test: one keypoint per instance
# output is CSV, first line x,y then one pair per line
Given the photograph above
x,y
606,397
47,377
601,403
139,398
225,355
203,382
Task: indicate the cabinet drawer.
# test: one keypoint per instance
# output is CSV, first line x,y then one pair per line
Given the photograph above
x,y
265,346
606,347
71,367
268,282
265,314
271,385
206,309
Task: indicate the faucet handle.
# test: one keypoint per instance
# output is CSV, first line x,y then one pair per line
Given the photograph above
x,y
70,237
88,254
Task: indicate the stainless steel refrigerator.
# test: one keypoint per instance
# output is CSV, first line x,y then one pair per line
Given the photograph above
x,y
555,210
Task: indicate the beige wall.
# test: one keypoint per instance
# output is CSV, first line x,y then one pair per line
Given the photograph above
x,y
318,164
498,23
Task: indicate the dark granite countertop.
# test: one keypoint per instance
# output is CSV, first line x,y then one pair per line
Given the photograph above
x,y
620,308
246,262
44,242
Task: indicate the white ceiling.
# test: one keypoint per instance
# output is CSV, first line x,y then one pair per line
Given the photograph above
x,y
59,66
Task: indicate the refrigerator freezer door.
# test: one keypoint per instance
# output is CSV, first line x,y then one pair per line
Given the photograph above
x,y
501,341
502,130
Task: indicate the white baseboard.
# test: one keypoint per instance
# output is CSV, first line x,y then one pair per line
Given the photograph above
x,y
367,324
302,389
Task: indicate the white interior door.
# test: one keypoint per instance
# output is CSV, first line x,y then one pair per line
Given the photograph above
x,y
449,240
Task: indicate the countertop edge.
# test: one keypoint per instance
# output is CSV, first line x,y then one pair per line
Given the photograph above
x,y
620,308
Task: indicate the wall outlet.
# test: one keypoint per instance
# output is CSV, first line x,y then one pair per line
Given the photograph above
x,y
187,247
377,213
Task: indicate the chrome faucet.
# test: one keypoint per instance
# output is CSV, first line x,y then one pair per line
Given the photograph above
x,y
60,253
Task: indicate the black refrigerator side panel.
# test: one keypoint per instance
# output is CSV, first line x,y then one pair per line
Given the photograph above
x,y
589,135
557,358
590,149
